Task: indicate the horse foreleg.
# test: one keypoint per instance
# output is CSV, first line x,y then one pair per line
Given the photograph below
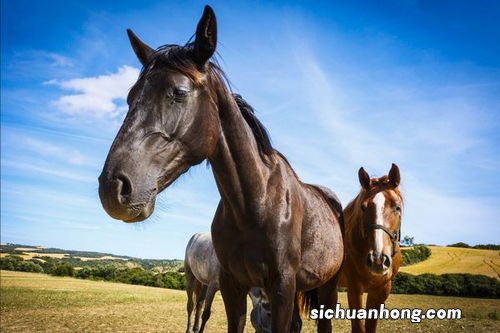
x,y
282,303
375,298
235,302
190,289
355,298
327,297
211,290
200,300
296,325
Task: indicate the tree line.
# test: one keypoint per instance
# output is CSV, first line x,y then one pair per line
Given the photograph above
x,y
103,272
480,246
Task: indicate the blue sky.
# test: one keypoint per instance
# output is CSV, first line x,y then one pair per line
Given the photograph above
x,y
338,86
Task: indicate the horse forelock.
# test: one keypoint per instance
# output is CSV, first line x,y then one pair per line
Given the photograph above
x,y
378,185
180,58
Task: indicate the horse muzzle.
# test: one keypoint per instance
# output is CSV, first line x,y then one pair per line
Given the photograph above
x,y
379,263
122,200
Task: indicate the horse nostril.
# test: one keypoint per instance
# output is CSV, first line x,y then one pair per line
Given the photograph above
x,y
387,261
369,260
124,185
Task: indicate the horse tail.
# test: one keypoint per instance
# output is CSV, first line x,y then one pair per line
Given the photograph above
x,y
306,301
344,239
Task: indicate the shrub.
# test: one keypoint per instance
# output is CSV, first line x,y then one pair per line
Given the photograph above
x,y
29,266
10,262
62,270
463,285
460,244
416,254
139,276
488,247
16,263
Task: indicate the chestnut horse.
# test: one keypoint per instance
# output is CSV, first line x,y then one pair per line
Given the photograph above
x,y
372,222
270,229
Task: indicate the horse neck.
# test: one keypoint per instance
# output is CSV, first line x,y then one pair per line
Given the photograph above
x,y
239,171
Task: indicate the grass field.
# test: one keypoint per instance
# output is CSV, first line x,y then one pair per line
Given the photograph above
x,y
458,260
37,302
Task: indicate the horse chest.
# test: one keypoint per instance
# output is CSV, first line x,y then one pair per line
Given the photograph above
x,y
246,262
251,254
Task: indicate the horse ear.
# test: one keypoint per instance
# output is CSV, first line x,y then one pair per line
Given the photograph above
x,y
364,178
394,175
206,37
142,51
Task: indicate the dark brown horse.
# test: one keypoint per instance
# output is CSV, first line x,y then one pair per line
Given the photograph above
x,y
270,230
202,282
373,222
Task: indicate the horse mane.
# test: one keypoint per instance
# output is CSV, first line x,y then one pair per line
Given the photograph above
x,y
180,58
259,132
258,129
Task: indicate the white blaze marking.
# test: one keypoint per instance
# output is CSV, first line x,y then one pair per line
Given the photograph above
x,y
379,201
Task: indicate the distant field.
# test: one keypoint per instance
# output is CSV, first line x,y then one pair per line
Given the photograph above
x,y
458,260
30,253
37,302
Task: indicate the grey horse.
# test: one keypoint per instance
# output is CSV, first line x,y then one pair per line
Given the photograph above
x,y
202,276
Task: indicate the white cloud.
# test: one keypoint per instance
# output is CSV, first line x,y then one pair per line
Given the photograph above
x,y
47,170
46,156
70,155
99,96
59,60
41,59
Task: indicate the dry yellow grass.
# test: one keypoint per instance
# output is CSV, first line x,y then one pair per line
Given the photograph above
x,y
37,302
31,255
458,260
101,258
29,249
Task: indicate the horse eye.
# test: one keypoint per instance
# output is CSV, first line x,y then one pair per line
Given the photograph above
x,y
398,208
364,205
180,92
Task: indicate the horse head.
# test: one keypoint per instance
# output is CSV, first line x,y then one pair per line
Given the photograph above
x,y
380,203
170,126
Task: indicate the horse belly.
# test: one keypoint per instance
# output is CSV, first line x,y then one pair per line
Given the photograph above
x,y
322,255
201,271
